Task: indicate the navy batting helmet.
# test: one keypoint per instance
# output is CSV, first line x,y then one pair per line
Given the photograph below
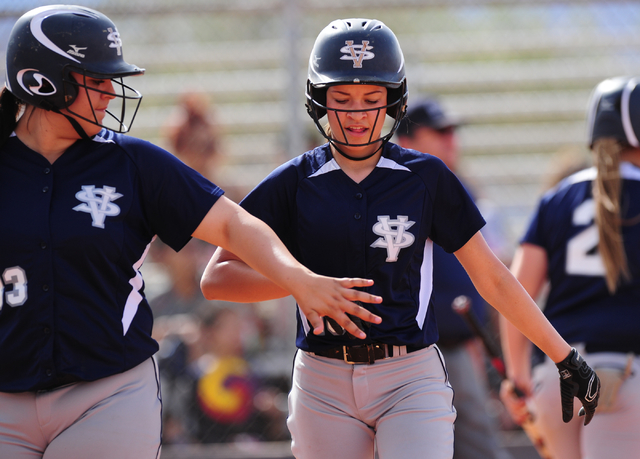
x,y
614,111
48,43
356,51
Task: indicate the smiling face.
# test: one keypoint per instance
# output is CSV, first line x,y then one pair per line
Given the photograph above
x,y
356,116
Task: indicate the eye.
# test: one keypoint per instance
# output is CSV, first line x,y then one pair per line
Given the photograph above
x,y
95,83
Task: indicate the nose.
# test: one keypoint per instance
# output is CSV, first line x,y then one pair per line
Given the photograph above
x,y
109,91
357,113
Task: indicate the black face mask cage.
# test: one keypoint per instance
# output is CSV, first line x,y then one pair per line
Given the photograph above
x,y
313,111
115,119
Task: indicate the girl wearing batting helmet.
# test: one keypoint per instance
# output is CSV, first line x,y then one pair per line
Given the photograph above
x,y
584,240
80,205
360,204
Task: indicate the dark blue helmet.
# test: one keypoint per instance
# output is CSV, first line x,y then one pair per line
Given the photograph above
x,y
48,43
614,111
356,51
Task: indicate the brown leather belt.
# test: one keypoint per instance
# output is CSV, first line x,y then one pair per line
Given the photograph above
x,y
366,353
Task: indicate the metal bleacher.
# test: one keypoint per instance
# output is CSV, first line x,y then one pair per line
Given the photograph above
x,y
518,72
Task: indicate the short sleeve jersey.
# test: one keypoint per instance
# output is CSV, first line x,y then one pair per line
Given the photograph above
x,y
579,304
382,228
74,235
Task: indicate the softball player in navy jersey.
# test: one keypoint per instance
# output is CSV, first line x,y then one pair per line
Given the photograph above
x,y
80,205
361,205
584,239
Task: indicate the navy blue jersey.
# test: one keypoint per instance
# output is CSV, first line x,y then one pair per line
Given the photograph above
x,y
579,305
73,237
382,228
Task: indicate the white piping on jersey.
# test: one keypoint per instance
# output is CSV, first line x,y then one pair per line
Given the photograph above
x,y
387,163
383,162
327,167
104,136
305,322
627,171
134,298
426,283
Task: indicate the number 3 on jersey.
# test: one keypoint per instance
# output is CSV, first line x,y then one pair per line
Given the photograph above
x,y
17,278
583,258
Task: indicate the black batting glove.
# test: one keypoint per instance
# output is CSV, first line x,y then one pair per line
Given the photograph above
x,y
577,379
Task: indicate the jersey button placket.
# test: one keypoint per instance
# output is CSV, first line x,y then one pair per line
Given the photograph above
x,y
359,261
358,215
46,290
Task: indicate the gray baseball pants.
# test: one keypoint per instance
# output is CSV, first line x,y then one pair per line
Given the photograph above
x,y
403,405
118,417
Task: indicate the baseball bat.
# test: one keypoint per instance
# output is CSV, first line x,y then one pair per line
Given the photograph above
x,y
462,306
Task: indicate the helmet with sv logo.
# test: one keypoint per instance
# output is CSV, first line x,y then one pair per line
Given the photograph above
x,y
356,51
48,43
614,111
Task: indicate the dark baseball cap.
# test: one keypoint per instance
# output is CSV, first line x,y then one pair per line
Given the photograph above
x,y
426,113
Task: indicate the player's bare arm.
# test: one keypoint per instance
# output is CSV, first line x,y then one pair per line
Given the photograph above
x,y
228,278
501,289
229,226
517,348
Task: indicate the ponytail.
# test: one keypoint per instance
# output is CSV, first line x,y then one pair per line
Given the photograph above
x,y
607,192
10,107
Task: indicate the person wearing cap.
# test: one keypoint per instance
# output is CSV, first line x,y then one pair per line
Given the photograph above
x,y
429,129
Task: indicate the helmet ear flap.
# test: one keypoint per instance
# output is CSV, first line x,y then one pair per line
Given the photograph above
x,y
316,99
71,88
397,101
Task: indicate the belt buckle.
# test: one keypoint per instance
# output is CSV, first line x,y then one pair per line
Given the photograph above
x,y
370,355
344,356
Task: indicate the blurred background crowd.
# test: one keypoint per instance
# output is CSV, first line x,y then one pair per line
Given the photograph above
x,y
224,91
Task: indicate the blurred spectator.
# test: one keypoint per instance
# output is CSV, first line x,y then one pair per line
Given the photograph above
x,y
230,402
183,271
213,391
428,129
193,137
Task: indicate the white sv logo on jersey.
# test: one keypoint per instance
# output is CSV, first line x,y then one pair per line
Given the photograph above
x,y
357,53
97,202
394,235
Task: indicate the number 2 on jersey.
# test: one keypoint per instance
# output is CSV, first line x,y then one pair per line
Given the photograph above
x,y
17,278
583,257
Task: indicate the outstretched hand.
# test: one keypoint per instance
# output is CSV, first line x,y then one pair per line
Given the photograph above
x,y
334,298
577,379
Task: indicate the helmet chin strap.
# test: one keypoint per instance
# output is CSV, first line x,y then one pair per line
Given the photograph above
x,y
74,122
354,158
77,127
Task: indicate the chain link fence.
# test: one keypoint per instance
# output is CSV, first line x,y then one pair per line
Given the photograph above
x,y
518,72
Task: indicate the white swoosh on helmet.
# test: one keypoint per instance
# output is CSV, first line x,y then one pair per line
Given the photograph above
x,y
36,28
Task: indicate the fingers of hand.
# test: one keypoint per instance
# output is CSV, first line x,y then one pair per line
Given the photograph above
x,y
316,322
350,282
515,405
587,413
362,313
567,395
357,295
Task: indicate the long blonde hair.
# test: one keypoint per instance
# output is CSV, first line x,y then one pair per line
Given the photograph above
x,y
607,188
